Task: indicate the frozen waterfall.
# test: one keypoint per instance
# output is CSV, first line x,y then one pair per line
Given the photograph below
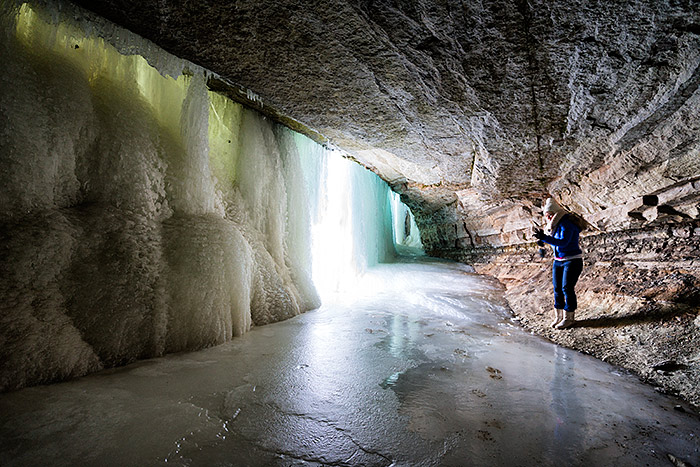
x,y
142,213
405,229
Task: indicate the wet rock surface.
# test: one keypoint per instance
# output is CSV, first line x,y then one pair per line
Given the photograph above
x,y
638,302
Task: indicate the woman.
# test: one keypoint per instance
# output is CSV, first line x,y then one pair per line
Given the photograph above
x,y
562,233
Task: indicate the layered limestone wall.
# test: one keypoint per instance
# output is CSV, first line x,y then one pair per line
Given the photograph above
x,y
638,299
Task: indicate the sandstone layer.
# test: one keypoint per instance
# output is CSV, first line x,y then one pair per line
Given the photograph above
x,y
638,299
476,111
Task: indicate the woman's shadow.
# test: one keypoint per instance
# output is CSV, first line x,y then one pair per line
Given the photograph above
x,y
647,314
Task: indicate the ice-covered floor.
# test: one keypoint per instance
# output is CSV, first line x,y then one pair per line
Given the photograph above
x,y
423,366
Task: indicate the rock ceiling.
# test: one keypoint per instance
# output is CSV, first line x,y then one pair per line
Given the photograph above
x,y
474,110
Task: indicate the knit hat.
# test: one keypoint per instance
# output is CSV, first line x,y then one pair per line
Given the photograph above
x,y
551,205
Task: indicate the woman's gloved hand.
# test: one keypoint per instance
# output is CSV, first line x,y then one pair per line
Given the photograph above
x,y
539,234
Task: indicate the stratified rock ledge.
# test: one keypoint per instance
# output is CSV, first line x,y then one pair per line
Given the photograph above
x,y
638,301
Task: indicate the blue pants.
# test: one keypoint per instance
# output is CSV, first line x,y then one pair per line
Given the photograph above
x,y
564,277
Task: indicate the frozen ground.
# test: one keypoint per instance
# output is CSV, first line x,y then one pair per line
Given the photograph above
x,y
422,366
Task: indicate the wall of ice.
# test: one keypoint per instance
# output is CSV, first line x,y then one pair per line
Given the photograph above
x,y
142,214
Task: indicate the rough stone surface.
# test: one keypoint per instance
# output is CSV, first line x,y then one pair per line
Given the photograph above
x,y
475,111
638,301
495,102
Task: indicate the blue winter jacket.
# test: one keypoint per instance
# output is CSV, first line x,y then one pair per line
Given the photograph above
x,y
564,240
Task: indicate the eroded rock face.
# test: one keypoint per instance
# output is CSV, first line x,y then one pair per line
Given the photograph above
x,y
638,300
489,104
